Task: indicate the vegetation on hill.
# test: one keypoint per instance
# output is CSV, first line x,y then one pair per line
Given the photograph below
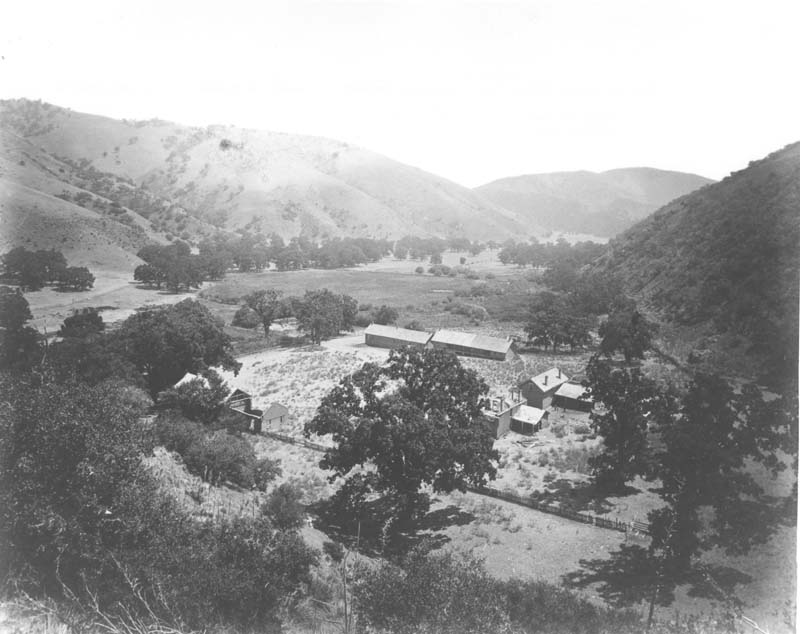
x,y
32,270
601,204
728,256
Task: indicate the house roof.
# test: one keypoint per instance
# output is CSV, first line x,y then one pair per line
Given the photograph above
x,y
238,393
573,391
471,340
401,334
275,410
191,377
548,380
528,414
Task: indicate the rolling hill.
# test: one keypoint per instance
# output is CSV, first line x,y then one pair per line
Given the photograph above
x,y
601,204
230,178
724,262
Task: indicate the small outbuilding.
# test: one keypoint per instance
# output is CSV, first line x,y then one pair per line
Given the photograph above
x,y
380,336
572,396
472,345
240,400
527,420
275,413
539,390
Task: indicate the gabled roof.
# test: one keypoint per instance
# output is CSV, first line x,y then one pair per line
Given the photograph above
x,y
548,380
471,340
238,393
401,334
573,391
528,414
275,410
191,377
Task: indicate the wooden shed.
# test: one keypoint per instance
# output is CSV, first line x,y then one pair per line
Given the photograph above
x,y
572,396
275,413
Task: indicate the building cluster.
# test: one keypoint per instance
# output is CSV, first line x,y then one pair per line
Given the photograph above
x,y
525,408
461,343
241,403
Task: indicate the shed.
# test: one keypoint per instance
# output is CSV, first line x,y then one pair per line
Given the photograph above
x,y
540,389
572,396
186,378
472,345
527,420
380,336
276,413
240,400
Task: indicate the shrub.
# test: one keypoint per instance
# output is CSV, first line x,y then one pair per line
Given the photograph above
x,y
221,456
176,433
419,270
283,507
363,320
246,317
582,429
559,430
490,276
385,315
334,550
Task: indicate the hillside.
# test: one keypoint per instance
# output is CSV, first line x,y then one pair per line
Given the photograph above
x,y
289,184
724,261
45,204
601,204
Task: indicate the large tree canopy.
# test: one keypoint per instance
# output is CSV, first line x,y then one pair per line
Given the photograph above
x,y
417,420
166,343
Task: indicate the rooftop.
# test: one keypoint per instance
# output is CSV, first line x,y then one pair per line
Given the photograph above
x,y
528,414
402,334
573,391
471,340
549,379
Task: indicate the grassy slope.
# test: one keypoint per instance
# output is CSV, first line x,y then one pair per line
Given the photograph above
x,y
603,204
291,183
724,259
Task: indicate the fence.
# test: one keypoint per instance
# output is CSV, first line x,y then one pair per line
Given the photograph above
x,y
553,509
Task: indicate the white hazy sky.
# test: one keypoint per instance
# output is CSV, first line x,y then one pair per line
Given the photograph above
x,y
472,91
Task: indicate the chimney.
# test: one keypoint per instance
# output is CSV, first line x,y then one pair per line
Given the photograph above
x,y
559,373
545,379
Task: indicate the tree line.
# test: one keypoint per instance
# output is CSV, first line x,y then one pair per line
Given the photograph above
x,y
33,270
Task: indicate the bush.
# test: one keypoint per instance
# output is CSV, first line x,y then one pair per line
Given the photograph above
x,y
334,550
559,430
220,456
176,433
283,507
582,429
490,276
385,315
419,270
246,317
363,320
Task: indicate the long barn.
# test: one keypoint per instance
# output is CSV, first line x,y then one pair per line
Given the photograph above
x,y
392,337
472,345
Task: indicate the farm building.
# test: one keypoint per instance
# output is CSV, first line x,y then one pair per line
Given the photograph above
x,y
472,345
380,336
242,403
276,413
513,415
540,389
240,400
571,396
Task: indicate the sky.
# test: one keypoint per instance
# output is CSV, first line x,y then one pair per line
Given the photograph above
x,y
472,91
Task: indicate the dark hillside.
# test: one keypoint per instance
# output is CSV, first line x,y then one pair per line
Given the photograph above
x,y
727,256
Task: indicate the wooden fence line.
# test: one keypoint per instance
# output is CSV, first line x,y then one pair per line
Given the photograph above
x,y
552,509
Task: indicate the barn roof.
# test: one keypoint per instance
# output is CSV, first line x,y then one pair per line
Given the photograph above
x,y
573,391
275,410
400,334
549,379
471,340
528,414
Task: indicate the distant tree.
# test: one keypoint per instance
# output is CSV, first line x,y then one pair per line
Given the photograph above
x,y
419,270
436,258
82,325
545,320
266,304
630,406
626,331
400,252
428,429
385,315
14,309
166,343
149,274
77,278
323,314
201,399
246,317
53,263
